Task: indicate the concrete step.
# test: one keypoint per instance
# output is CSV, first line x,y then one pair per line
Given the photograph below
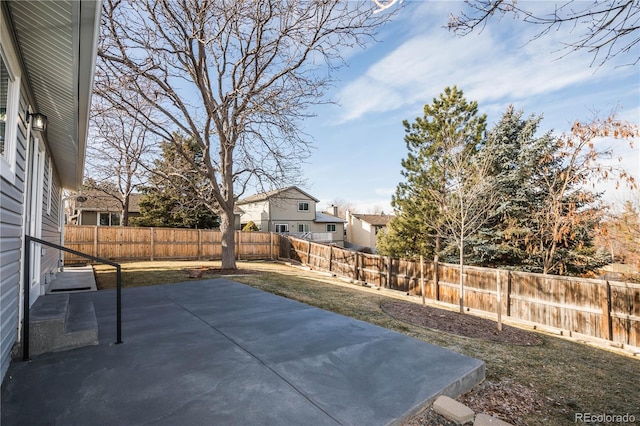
x,y
58,323
75,279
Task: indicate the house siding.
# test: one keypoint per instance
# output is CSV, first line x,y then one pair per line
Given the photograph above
x,y
12,198
337,236
279,209
257,213
11,222
284,209
361,233
50,225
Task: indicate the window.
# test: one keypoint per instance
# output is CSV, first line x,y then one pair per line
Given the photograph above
x,y
303,227
9,103
109,219
4,102
331,227
49,189
282,227
303,206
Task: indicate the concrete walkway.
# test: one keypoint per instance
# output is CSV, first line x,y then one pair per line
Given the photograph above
x,y
217,352
74,278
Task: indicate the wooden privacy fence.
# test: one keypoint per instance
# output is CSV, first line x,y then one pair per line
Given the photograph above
x,y
128,243
602,309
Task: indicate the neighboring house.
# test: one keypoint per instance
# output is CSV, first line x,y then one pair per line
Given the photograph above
x,y
362,229
291,210
99,208
47,62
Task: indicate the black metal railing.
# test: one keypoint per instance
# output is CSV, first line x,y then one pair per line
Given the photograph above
x,y
27,286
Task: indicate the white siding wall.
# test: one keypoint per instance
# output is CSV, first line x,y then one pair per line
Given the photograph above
x,y
360,233
256,212
50,222
11,215
12,198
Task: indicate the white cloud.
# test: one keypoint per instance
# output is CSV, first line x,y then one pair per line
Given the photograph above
x,y
491,67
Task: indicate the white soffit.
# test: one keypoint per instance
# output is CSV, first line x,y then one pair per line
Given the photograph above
x,y
57,42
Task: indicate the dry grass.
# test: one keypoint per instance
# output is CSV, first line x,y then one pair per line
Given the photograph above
x,y
572,377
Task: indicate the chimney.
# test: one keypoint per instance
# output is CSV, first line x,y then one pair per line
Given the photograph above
x,y
334,210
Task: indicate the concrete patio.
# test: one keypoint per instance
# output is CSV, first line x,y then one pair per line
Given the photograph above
x,y
220,352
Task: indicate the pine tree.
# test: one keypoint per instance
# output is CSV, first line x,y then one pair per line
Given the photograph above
x,y
547,215
515,153
173,197
450,124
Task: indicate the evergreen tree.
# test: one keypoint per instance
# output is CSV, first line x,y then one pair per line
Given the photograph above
x,y
547,215
173,198
449,125
515,153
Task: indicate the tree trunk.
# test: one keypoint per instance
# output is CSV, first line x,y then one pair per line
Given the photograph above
x,y
228,240
461,277
436,260
125,212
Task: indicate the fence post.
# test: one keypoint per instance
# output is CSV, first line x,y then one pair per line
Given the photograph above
x,y
499,298
238,244
607,323
389,269
199,244
356,269
436,287
95,241
271,245
153,245
308,253
330,257
508,293
422,279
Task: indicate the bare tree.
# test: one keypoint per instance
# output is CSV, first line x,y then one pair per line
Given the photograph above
x,y
605,28
620,232
344,206
237,77
568,202
116,153
471,200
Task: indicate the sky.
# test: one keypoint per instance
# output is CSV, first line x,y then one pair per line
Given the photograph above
x,y
359,141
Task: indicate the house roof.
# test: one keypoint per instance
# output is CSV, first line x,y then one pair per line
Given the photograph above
x,y
58,44
276,193
374,219
327,218
102,202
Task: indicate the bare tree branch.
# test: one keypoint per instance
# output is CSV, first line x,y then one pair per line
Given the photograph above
x,y
606,29
236,77
117,152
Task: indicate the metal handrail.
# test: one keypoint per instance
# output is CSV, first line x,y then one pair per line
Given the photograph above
x,y
27,285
